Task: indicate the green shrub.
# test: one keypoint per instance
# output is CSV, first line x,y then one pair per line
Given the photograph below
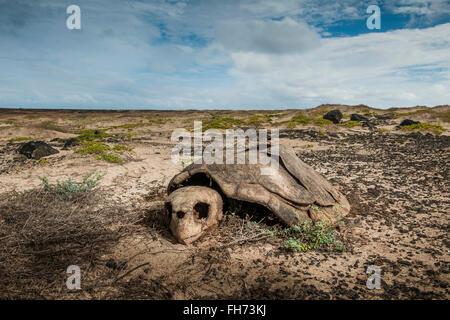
x,y
120,148
70,188
307,236
437,129
91,134
258,119
301,119
110,157
17,139
322,122
223,123
93,147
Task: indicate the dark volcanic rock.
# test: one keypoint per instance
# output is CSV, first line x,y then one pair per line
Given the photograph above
x,y
36,150
408,122
70,143
334,115
384,116
357,117
368,124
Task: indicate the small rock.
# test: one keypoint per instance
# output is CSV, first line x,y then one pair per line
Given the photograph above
x,y
36,150
70,143
357,117
335,116
408,122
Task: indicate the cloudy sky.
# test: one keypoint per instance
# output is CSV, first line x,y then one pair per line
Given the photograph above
x,y
228,54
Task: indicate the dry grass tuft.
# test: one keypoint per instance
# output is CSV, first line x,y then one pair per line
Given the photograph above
x,y
42,233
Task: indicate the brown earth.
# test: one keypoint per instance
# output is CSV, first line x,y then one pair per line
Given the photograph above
x,y
397,183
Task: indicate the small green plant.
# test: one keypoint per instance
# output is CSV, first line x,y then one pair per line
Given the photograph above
x,y
258,119
223,123
300,118
350,124
383,130
369,113
322,122
253,225
291,125
110,157
91,134
120,148
93,147
43,161
307,236
437,129
17,139
70,188
185,161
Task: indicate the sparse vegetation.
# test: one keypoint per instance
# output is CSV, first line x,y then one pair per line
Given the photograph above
x,y
322,122
258,120
303,119
223,123
307,236
110,157
69,188
93,147
350,124
418,127
120,148
91,134
104,151
19,139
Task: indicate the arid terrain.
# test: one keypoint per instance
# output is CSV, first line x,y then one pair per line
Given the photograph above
x,y
396,180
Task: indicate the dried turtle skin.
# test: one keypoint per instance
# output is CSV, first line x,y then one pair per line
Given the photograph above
x,y
295,193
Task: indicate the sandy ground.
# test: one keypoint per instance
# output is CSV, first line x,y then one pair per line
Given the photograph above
x,y
397,184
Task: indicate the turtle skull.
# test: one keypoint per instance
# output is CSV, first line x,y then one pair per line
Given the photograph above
x,y
193,210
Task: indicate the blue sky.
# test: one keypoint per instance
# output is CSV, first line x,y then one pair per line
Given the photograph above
x,y
223,54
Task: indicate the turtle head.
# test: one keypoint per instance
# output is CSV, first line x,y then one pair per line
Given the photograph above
x,y
192,211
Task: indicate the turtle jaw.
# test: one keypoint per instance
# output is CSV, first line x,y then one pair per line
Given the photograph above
x,y
185,230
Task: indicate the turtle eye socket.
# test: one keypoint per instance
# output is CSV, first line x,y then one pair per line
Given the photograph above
x,y
201,210
180,214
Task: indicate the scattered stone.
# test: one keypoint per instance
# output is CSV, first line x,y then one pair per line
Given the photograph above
x,y
408,122
384,116
358,118
36,150
369,124
70,143
335,116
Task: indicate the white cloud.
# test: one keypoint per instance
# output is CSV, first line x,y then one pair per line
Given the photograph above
x,y
267,36
370,68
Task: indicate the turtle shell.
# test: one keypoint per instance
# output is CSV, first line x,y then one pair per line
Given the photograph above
x,y
294,193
